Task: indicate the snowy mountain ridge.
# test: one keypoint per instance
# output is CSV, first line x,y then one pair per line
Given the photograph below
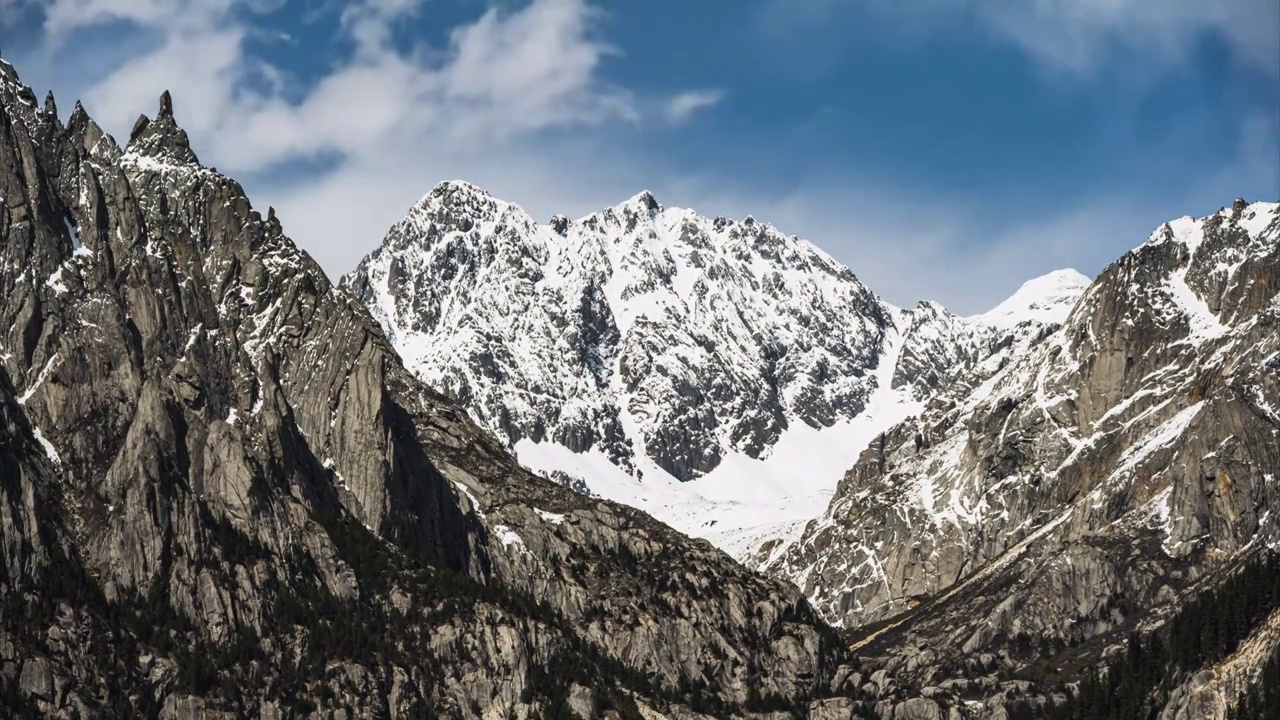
x,y
1046,299
1146,422
716,373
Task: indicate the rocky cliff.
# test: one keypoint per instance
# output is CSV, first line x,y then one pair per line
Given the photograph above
x,y
225,496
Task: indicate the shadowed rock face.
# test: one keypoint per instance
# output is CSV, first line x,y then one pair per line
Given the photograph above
x,y
223,495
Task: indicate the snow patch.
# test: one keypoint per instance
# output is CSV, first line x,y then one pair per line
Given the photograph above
x,y
1258,217
553,518
744,501
475,504
1163,436
56,283
49,450
40,379
1202,323
1160,510
508,536
77,245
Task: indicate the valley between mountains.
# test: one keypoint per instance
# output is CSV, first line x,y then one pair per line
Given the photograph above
x,y
641,464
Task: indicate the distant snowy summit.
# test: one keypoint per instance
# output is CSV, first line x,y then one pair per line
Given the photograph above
x,y
1047,299
717,373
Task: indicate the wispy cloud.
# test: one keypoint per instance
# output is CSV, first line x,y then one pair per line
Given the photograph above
x,y
686,104
1077,36
516,101
506,75
394,117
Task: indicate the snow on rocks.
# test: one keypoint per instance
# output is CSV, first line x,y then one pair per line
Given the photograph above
x,y
716,373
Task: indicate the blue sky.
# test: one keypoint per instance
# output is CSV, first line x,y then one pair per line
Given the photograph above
x,y
943,149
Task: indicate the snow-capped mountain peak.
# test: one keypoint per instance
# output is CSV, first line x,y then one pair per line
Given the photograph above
x,y
1047,299
664,344
678,363
643,201
1147,418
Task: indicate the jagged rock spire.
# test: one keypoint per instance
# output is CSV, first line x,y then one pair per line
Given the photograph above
x,y
139,127
161,137
78,115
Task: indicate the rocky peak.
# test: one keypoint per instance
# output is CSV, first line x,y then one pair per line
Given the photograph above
x,y
15,97
560,224
651,344
1097,460
1047,299
643,202
454,206
92,139
459,191
928,309
162,139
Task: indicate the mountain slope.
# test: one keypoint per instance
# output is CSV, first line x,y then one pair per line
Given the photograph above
x,y
262,512
1082,488
1170,342
715,373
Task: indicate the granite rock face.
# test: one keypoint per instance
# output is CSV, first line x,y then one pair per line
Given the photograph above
x,y
226,492
225,496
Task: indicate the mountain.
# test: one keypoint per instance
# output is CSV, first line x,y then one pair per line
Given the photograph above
x,y
716,373
222,494
225,491
1034,487
1086,490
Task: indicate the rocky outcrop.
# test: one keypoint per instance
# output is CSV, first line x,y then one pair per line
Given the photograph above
x,y
225,496
1211,693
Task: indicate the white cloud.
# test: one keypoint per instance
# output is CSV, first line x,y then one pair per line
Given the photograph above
x,y
506,75
684,105
1077,34
1065,35
514,101
64,16
396,119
